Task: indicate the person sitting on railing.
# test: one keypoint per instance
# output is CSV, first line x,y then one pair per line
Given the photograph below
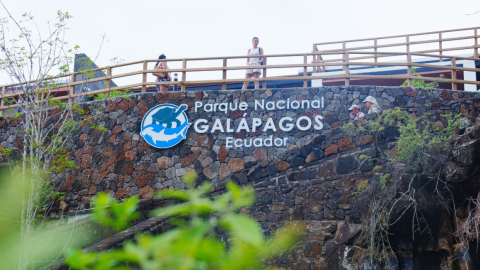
x,y
372,105
355,113
254,62
162,76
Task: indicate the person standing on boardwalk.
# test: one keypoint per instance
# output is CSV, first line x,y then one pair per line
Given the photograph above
x,y
255,71
162,76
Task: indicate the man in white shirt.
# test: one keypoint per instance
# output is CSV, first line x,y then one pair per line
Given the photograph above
x,y
355,113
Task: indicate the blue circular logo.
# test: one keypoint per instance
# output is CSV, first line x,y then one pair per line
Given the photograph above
x,y
165,125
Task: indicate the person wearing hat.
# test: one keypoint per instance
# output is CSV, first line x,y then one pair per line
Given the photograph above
x,y
372,105
355,113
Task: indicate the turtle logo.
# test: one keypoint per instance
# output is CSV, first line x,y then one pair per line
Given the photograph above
x,y
165,125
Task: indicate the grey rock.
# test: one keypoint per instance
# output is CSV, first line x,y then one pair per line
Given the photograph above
x,y
171,173
180,171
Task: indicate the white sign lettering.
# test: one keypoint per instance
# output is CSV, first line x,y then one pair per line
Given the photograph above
x,y
265,124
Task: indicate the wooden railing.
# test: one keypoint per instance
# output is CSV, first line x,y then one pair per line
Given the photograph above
x,y
347,62
468,36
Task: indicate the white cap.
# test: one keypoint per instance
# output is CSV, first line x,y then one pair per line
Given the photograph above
x,y
370,99
353,107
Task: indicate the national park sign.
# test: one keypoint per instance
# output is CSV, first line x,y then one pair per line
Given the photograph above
x,y
166,125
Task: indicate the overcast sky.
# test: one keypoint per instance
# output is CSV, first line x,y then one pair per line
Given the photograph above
x,y
143,29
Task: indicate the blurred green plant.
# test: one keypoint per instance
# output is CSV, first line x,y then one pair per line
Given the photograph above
x,y
39,250
194,243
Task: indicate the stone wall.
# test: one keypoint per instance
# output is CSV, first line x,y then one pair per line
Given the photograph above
x,y
312,179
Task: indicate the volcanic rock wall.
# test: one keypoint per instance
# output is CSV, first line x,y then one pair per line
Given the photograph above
x,y
310,178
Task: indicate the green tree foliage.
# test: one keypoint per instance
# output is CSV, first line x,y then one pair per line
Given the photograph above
x,y
420,139
194,243
112,94
422,83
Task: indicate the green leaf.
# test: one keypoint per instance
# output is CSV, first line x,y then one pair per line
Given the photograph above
x,y
200,206
242,197
189,178
173,210
243,228
174,194
109,212
284,239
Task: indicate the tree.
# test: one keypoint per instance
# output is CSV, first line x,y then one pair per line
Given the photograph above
x,y
37,62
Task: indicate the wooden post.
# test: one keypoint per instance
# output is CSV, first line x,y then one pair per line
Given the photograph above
x,y
409,61
409,72
347,70
344,46
440,45
72,88
224,77
408,44
323,68
315,69
454,73
184,74
144,77
2,99
375,50
475,51
109,81
316,58
264,83
305,71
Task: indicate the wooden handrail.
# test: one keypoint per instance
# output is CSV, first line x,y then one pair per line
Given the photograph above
x,y
440,49
397,36
402,77
348,58
319,53
347,63
398,44
389,54
419,53
317,63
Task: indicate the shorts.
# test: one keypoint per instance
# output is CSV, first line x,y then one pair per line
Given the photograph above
x,y
254,70
162,80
